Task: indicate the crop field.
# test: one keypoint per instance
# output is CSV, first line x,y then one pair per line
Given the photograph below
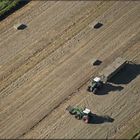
x,y
47,66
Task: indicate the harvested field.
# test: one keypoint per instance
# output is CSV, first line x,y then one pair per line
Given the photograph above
x,y
47,66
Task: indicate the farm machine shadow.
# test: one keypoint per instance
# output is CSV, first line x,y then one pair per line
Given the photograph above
x,y
97,119
127,74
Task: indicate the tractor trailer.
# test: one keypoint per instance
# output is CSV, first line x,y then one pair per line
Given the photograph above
x,y
106,74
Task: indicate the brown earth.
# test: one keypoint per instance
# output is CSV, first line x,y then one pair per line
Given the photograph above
x,y
47,67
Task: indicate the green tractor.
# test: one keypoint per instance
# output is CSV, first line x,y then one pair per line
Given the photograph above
x,y
95,85
80,113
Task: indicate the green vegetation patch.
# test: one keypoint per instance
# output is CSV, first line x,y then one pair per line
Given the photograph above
x,y
6,5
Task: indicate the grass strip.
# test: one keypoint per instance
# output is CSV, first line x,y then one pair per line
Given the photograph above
x,y
6,5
